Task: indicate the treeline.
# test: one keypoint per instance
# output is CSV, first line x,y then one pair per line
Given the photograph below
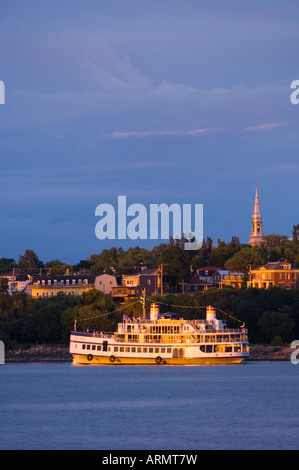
x,y
271,316
232,256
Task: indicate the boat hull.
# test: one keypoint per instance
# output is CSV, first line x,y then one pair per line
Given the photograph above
x,y
82,359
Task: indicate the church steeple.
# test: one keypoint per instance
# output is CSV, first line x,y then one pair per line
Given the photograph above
x,y
256,236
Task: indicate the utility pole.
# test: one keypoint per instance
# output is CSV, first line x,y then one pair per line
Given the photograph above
x,y
161,273
143,302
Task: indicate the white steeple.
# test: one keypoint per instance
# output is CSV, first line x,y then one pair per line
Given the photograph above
x,y
256,236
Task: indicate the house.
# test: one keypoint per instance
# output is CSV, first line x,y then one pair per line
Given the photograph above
x,y
105,283
147,280
73,284
195,284
231,279
281,274
17,281
209,274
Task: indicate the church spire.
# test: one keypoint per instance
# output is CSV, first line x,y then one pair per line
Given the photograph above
x,y
256,236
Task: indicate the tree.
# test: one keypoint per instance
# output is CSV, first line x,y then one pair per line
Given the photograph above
x,y
277,324
175,262
3,285
243,260
30,262
56,267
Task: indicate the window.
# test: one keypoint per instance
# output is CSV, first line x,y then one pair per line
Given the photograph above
x,y
93,347
83,346
74,281
151,350
99,348
145,350
49,283
88,346
116,348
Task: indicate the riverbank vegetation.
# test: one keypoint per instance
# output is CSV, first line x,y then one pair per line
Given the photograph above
x,y
271,316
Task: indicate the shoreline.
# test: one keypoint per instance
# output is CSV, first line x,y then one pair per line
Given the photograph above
x,y
62,354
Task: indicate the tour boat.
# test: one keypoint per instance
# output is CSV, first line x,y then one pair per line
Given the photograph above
x,y
164,338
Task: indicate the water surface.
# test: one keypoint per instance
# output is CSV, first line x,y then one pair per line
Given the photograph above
x,y
59,406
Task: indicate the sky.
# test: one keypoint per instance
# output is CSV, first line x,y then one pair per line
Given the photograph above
x,y
168,101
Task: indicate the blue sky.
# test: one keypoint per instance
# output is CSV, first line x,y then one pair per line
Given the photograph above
x,y
161,101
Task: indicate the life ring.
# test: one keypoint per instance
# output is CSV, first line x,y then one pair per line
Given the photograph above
x,y
89,357
159,360
112,358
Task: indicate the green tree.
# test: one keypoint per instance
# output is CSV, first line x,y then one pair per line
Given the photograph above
x,y
3,285
277,324
30,262
243,260
175,262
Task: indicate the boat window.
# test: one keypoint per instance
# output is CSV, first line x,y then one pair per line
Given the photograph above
x,y
83,346
145,350
139,350
151,350
105,345
121,349
156,350
93,347
209,348
115,348
99,348
88,346
127,349
169,350
133,349
162,350
228,349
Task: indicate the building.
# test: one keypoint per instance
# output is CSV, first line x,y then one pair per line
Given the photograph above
x,y
231,279
210,275
17,281
279,274
105,283
256,236
195,284
74,284
148,280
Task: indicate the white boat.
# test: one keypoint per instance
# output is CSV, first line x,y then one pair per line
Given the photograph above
x,y
162,339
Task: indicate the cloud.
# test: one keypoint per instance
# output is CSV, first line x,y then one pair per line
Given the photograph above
x,y
177,132
268,126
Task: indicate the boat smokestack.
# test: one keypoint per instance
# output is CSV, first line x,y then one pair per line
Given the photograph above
x,y
210,314
154,311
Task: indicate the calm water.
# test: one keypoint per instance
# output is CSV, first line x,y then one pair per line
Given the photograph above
x,y
58,406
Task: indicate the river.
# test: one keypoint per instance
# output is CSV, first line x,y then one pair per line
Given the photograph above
x,y
58,406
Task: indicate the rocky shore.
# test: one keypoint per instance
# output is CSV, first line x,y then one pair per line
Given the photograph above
x,y
61,354
39,354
